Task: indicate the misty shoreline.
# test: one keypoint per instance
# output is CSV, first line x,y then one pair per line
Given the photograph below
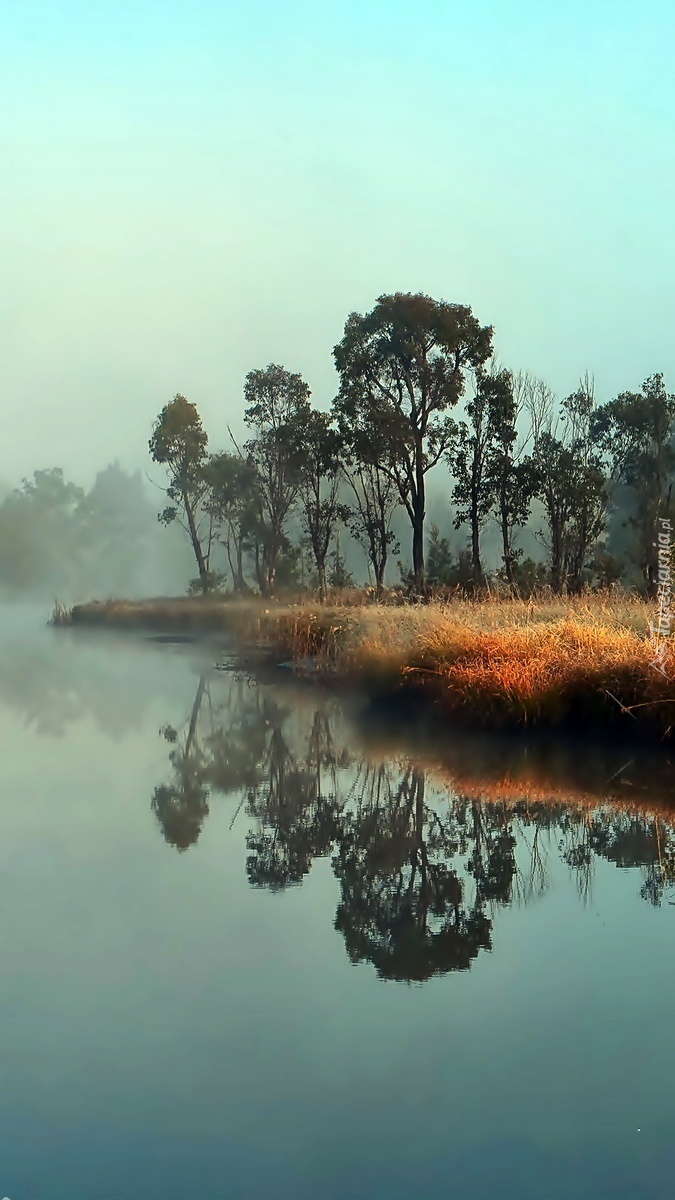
x,y
571,667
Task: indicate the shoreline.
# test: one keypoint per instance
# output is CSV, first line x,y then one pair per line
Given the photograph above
x,y
564,666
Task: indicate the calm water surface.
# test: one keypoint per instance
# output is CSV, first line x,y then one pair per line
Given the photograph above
x,y
258,945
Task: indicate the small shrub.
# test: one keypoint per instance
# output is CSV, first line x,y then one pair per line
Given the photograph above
x,y
215,583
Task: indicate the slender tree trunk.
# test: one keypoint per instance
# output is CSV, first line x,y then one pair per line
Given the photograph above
x,y
476,565
268,566
374,556
475,550
321,572
228,550
260,570
194,716
507,553
380,567
383,555
272,556
240,583
418,538
557,558
556,531
418,550
417,503
196,545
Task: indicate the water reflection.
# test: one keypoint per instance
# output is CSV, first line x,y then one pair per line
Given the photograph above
x,y
54,680
425,852
405,906
189,867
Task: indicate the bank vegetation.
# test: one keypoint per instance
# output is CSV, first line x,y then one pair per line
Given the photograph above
x,y
586,662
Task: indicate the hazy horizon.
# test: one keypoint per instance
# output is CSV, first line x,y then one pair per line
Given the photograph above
x,y
196,190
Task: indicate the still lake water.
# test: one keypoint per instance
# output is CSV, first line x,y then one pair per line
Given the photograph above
x,y
256,944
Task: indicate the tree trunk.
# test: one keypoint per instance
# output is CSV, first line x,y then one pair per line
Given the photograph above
x,y
196,545
380,567
506,545
271,555
556,566
557,546
475,551
321,572
240,582
418,551
260,570
418,537
417,499
230,561
382,556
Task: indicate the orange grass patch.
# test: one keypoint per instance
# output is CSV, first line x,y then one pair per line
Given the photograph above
x,y
545,670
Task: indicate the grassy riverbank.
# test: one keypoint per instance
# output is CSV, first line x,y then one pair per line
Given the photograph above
x,y
584,662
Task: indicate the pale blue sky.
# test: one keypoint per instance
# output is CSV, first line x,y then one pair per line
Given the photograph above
x,y
191,190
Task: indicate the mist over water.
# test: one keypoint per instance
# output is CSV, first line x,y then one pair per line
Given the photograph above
x,y
254,944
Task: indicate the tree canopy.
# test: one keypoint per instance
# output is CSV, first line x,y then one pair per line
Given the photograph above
x,y
402,367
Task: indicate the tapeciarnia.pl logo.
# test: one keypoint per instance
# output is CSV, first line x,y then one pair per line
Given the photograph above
x,y
661,631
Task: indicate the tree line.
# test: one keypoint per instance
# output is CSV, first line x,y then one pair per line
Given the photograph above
x,y
514,456
58,538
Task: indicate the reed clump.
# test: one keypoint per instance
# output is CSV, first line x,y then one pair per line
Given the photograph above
x,y
60,614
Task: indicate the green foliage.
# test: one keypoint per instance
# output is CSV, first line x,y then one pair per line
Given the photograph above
x,y
530,576
320,476
441,562
369,520
275,400
231,482
233,505
402,367
213,582
607,569
481,458
505,478
571,481
339,576
179,442
289,566
277,411
636,432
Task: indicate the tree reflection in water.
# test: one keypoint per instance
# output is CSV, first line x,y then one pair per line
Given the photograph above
x,y
182,805
422,868
406,902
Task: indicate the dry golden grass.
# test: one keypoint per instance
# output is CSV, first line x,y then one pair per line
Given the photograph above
x,y
585,661
580,666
